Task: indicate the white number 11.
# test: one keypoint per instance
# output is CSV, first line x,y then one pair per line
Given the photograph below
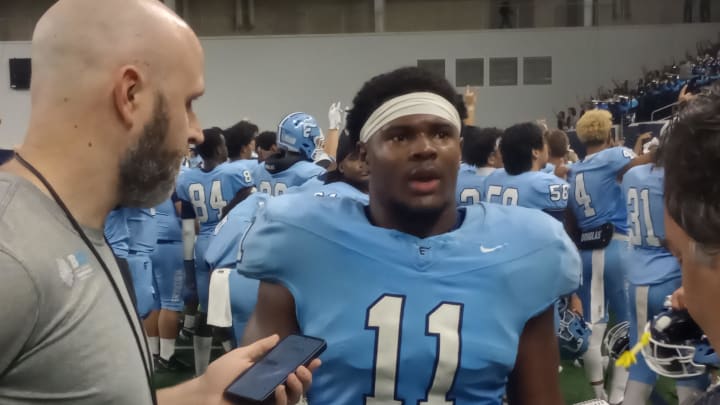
x,y
385,317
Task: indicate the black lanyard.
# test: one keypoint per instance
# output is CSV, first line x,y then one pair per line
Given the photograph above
x,y
138,335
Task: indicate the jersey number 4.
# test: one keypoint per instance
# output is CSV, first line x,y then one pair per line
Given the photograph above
x,y
197,199
385,317
582,197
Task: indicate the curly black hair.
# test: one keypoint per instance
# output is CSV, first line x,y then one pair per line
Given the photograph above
x,y
479,144
692,191
386,86
266,140
517,145
239,136
212,144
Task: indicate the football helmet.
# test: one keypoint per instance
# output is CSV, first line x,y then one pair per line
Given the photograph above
x,y
573,333
678,347
300,132
617,340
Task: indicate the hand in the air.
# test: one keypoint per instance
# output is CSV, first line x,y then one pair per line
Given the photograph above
x,y
336,114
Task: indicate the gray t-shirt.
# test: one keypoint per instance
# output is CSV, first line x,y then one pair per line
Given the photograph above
x,y
64,337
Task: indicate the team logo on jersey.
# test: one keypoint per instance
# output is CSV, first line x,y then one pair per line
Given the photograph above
x,y
484,249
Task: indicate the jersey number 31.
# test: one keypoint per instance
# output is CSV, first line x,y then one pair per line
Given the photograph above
x,y
385,317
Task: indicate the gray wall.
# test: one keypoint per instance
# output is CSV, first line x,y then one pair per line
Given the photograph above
x,y
262,78
281,17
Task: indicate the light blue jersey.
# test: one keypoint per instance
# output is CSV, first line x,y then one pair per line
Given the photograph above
x,y
168,222
143,241
143,230
209,192
225,242
313,182
116,232
223,253
470,183
549,168
649,262
537,190
279,182
408,319
167,259
596,197
336,189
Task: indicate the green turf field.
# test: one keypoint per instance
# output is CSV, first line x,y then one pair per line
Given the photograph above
x,y
574,385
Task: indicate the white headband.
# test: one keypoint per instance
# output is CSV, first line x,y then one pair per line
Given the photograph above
x,y
410,104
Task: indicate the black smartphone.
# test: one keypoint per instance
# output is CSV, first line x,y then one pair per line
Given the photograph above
x,y
259,381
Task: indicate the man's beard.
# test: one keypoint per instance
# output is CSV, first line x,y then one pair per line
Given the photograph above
x,y
148,170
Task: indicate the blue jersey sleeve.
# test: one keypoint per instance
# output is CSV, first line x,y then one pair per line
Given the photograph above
x,y
181,189
223,249
552,272
238,176
619,157
551,194
266,248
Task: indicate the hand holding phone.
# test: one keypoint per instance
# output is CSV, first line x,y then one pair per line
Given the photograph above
x,y
258,382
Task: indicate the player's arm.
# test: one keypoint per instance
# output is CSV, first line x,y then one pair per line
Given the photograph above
x,y
336,116
274,314
576,304
639,158
239,197
470,99
535,378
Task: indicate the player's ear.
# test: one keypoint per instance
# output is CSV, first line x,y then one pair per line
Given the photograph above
x,y
125,94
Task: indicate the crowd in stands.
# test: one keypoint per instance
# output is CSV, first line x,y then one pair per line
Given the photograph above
x,y
654,91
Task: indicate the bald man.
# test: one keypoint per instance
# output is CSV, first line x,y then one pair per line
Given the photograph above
x,y
112,93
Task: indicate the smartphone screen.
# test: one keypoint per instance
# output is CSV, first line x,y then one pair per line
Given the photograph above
x,y
259,381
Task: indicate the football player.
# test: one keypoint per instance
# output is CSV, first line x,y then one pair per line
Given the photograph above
x,y
143,239
204,194
692,226
653,273
116,233
597,219
521,182
222,253
300,142
240,143
169,277
478,161
558,144
349,179
402,289
266,145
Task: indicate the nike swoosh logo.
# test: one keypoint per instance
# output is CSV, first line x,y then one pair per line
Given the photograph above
x,y
483,249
